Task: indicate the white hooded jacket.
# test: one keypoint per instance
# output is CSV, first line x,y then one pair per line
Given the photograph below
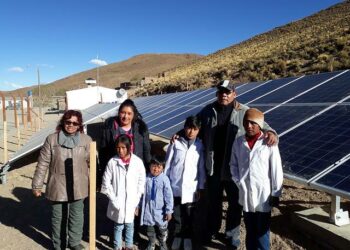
x,y
257,173
124,187
185,168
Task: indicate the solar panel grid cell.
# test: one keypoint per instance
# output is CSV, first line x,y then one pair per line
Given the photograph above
x,y
331,91
295,88
163,109
338,178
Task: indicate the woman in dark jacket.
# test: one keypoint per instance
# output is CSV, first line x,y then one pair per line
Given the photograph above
x,y
65,155
128,121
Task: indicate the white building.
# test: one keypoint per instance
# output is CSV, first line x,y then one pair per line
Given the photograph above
x,y
9,103
83,98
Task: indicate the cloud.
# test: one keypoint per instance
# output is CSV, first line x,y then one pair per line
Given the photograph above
x,y
13,85
98,62
15,69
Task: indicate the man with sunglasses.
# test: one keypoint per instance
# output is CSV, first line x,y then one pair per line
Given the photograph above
x,y
222,123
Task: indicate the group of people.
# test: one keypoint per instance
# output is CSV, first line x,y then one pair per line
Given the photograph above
x,y
226,148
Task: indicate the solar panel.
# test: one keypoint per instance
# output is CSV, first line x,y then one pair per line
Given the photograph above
x,y
311,114
161,101
264,88
317,144
297,87
330,91
287,116
177,110
337,180
161,109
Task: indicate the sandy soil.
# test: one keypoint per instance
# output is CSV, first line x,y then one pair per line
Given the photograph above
x,y
25,224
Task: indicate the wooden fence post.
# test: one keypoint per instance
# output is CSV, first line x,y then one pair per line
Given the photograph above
x,y
4,125
92,197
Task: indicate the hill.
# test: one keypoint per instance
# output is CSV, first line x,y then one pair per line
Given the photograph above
x,y
318,43
111,75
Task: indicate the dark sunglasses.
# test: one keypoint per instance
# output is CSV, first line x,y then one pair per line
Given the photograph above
x,y
71,123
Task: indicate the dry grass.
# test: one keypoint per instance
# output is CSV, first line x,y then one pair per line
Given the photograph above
x,y
318,43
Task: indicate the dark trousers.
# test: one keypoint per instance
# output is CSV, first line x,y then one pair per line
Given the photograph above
x,y
258,230
183,218
67,216
215,195
155,232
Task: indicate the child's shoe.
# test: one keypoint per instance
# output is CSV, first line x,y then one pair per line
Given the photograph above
x,y
151,246
176,244
187,244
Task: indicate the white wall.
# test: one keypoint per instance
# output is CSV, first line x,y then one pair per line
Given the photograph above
x,y
83,98
18,101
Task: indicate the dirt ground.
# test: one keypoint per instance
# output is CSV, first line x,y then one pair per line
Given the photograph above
x,y
25,223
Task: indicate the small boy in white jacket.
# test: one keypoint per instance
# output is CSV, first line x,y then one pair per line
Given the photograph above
x,y
257,171
185,168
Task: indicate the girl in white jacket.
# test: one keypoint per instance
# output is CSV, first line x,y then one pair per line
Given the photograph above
x,y
123,183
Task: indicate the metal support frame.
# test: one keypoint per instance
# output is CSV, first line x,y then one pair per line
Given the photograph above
x,y
337,215
3,171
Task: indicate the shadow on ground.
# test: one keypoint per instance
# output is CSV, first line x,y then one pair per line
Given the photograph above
x,y
29,215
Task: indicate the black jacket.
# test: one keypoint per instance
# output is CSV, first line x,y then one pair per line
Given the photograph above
x,y
141,142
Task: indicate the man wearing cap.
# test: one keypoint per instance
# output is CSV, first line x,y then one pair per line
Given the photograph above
x,y
257,171
222,123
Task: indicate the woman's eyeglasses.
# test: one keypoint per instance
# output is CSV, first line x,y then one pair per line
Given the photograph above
x,y
68,123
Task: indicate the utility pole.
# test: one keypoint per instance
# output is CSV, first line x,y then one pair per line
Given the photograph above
x,y
40,102
98,74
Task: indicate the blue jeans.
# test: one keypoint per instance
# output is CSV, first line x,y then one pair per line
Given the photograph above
x,y
258,230
129,234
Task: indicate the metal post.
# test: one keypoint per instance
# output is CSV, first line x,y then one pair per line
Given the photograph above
x,y
337,215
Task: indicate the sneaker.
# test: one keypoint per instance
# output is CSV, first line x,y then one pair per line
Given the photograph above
x,y
187,244
151,246
176,244
214,237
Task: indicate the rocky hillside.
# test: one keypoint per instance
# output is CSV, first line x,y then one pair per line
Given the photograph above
x,y
111,75
317,43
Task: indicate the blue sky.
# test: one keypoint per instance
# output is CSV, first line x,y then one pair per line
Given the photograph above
x,y
64,37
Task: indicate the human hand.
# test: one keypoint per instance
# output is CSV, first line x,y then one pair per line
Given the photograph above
x,y
137,211
271,138
36,192
174,138
167,217
197,195
274,201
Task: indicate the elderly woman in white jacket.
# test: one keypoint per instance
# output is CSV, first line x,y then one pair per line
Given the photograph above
x,y
123,183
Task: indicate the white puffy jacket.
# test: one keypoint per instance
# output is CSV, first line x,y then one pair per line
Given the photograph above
x,y
124,187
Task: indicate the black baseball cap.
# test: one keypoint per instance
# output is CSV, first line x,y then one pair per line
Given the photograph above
x,y
226,85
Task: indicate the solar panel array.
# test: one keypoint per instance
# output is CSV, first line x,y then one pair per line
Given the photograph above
x,y
90,114
310,113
